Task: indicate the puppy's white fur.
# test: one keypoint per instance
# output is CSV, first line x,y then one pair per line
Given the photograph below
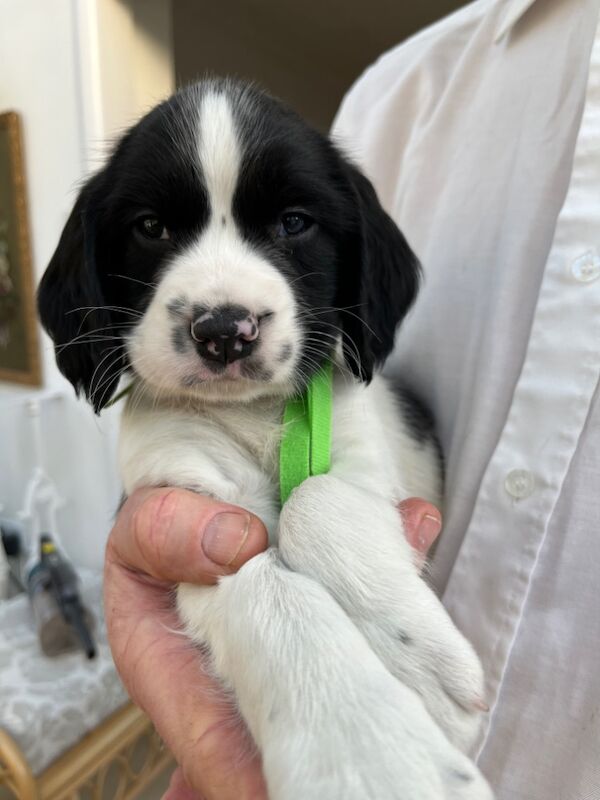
x,y
296,631
350,675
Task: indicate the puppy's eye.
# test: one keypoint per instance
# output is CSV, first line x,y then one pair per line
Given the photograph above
x,y
293,223
152,228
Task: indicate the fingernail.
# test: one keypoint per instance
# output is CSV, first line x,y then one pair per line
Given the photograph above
x,y
225,536
481,705
428,532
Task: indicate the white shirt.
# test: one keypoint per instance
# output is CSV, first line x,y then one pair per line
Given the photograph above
x,y
482,137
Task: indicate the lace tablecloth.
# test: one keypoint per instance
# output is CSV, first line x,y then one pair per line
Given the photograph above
x,y
48,704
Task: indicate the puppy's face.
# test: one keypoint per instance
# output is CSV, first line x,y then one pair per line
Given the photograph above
x,y
224,251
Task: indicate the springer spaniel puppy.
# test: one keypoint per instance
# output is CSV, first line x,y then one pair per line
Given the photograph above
x,y
222,255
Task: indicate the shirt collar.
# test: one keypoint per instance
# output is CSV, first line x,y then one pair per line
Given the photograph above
x,y
512,14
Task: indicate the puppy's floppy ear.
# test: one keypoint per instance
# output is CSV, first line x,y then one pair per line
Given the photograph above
x,y
379,282
73,310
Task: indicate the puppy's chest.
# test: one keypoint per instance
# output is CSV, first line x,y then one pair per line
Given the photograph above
x,y
231,451
256,429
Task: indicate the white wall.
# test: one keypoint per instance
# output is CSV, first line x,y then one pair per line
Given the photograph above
x,y
77,71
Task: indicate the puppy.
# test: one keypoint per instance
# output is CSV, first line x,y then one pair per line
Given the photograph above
x,y
224,253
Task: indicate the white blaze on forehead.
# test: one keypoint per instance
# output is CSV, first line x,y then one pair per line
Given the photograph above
x,y
219,152
218,268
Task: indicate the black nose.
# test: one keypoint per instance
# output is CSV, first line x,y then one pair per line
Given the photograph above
x,y
225,334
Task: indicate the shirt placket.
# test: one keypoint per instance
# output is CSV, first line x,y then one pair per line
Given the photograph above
x,y
488,588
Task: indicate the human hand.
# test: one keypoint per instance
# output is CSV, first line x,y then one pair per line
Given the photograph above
x,y
163,537
422,525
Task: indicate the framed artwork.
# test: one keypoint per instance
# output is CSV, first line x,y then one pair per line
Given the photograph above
x,y
19,348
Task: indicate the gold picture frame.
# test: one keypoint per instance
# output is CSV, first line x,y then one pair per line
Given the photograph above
x,y
19,344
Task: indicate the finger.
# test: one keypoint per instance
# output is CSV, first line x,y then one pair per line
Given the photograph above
x,y
164,675
179,790
422,523
179,536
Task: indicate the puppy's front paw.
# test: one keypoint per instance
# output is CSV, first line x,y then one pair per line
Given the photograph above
x,y
380,590
419,644
379,744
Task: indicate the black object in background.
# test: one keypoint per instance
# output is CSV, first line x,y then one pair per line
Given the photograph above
x,y
53,588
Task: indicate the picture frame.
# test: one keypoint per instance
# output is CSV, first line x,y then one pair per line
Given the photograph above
x,y
19,342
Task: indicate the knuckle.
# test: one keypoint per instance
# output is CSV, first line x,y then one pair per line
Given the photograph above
x,y
152,521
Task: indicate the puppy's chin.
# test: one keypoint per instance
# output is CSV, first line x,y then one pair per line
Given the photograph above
x,y
240,390
217,389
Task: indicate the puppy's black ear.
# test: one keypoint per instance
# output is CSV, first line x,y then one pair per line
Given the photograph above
x,y
73,310
379,282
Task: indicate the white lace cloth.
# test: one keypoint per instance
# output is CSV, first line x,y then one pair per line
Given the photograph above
x,y
48,704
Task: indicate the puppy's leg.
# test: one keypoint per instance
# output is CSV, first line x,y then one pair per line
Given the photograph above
x,y
328,718
352,542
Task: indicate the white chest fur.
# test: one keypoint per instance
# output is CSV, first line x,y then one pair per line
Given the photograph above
x,y
231,451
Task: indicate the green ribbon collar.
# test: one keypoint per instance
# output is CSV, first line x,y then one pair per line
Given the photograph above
x,y
305,448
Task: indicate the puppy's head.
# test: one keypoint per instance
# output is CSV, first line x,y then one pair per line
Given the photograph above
x,y
225,251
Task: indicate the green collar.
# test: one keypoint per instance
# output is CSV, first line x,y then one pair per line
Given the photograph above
x,y
305,448
306,443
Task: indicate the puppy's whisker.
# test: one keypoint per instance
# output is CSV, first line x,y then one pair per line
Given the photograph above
x,y
108,355
334,337
351,350
114,309
133,280
88,338
91,309
343,370
319,310
345,310
303,277
112,355
345,338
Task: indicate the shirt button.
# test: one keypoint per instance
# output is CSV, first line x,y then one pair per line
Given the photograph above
x,y
519,483
586,268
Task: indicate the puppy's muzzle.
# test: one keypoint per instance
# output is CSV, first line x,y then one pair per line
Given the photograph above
x,y
225,334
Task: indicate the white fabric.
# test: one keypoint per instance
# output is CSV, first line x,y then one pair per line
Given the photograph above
x,y
4,573
49,704
482,136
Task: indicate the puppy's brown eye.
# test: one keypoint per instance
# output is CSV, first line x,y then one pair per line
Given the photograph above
x,y
152,228
294,223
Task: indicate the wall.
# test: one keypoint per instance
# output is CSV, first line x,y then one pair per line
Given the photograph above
x,y
307,53
77,71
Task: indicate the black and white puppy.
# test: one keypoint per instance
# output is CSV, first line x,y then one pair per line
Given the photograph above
x,y
225,252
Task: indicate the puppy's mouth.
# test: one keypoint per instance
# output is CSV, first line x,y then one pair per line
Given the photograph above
x,y
220,349
215,351
215,372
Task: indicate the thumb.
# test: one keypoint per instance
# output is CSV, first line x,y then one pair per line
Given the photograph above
x,y
177,536
178,788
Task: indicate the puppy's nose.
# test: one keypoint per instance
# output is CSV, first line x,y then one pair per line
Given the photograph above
x,y
225,334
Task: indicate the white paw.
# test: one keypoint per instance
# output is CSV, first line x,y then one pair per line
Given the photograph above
x,y
330,720
352,543
381,745
420,645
